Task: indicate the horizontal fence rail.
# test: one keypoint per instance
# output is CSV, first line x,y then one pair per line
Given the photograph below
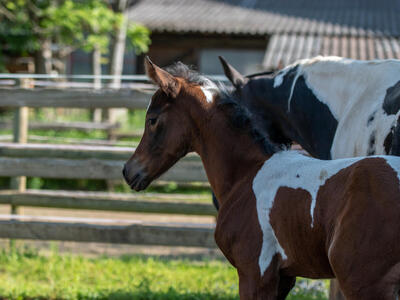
x,y
136,77
83,162
81,126
140,203
73,151
90,169
85,98
85,230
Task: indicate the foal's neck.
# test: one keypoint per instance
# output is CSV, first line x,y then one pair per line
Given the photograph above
x,y
231,157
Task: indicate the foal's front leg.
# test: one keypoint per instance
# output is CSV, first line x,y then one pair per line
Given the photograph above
x,y
253,286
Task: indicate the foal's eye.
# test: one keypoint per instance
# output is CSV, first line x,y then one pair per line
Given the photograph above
x,y
153,121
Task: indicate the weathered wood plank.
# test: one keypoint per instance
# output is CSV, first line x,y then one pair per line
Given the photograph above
x,y
72,151
78,98
129,135
136,202
81,126
190,235
184,171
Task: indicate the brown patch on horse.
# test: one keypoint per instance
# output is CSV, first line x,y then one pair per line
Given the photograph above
x,y
293,230
366,218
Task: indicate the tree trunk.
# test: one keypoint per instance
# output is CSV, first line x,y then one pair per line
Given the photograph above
x,y
118,47
118,51
43,57
96,66
117,60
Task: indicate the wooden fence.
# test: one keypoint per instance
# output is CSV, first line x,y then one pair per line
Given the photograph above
x,y
80,98
91,162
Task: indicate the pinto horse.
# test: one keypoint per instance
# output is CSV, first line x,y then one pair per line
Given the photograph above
x,y
282,214
333,107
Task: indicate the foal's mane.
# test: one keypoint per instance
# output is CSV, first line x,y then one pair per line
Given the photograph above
x,y
229,102
179,69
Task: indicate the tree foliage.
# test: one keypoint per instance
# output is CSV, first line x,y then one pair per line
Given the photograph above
x,y
139,37
68,24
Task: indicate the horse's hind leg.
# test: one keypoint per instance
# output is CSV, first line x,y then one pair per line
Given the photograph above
x,y
373,285
373,292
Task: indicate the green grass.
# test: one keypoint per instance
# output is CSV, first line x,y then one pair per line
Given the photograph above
x,y
28,275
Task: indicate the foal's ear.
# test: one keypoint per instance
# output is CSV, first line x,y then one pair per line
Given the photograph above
x,y
167,82
233,75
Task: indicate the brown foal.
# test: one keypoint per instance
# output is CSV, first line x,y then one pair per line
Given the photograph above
x,y
282,214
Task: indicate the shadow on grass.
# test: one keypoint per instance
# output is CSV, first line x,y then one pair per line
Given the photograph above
x,y
203,255
169,295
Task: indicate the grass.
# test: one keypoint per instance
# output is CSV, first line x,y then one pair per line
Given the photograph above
x,y
29,275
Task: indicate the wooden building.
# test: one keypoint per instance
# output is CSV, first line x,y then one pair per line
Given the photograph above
x,y
267,34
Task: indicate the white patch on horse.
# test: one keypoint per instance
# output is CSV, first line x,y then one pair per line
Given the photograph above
x,y
353,90
279,77
292,89
294,170
394,163
209,89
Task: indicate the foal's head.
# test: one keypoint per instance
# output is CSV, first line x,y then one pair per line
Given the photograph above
x,y
169,127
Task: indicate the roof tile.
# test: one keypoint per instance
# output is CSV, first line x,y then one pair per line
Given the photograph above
x,y
281,52
260,17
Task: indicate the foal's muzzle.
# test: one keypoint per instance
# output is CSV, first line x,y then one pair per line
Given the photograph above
x,y
135,176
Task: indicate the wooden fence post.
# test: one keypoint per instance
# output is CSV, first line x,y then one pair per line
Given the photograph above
x,y
20,135
96,113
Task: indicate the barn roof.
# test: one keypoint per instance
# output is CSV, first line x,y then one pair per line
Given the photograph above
x,y
358,29
284,49
261,17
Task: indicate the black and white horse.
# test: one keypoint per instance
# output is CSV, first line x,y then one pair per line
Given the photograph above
x,y
333,107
